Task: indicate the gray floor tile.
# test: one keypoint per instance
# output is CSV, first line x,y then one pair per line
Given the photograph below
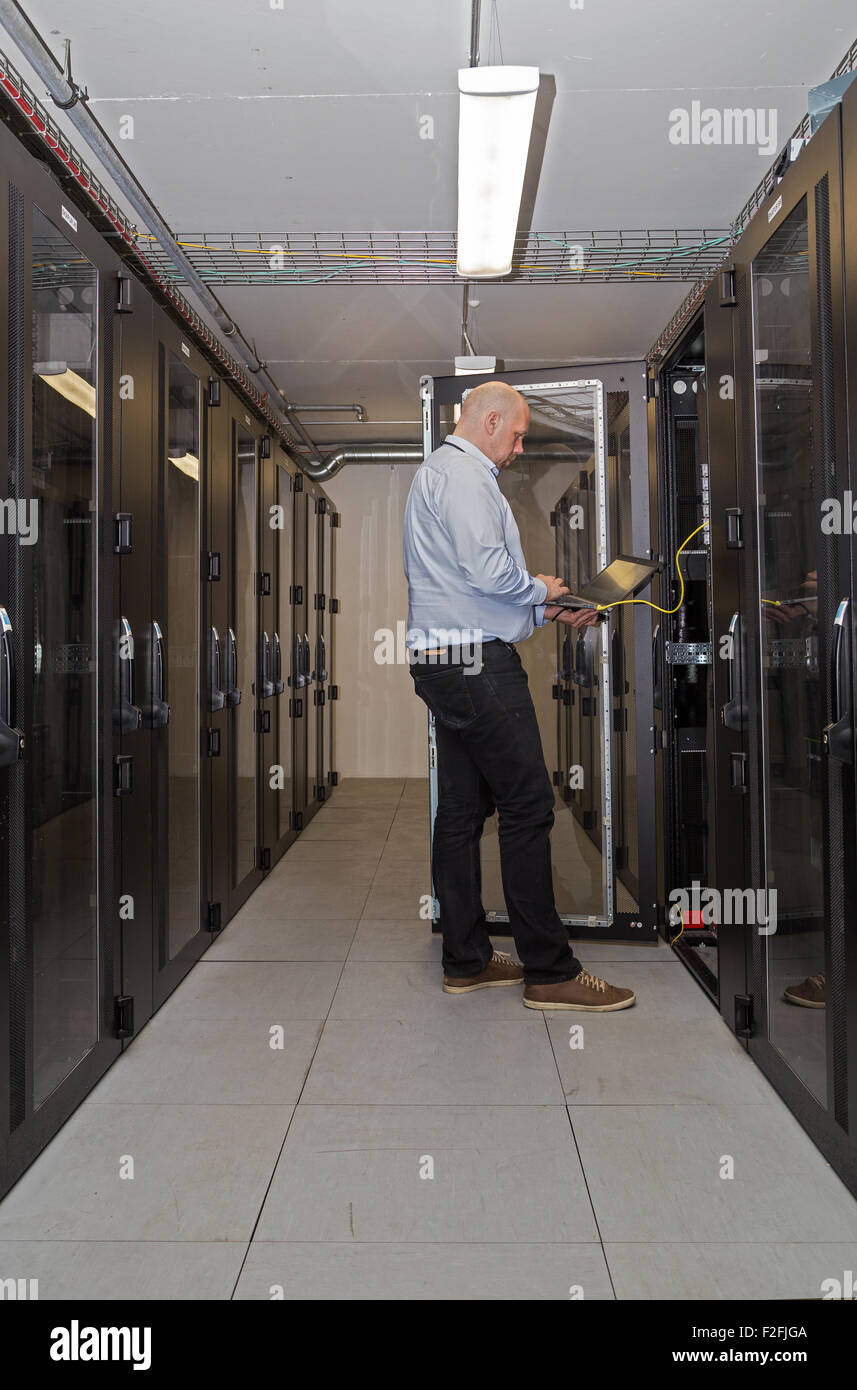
x,y
397,900
465,1061
423,1272
130,1269
616,1064
272,990
272,938
330,872
293,902
609,951
402,873
739,1271
346,851
389,939
500,1173
413,991
211,1061
654,1175
200,1174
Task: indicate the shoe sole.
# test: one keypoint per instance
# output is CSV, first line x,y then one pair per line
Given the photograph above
x,y
582,1008
804,1003
485,984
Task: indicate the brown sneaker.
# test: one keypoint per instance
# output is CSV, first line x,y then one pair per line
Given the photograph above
x,y
500,970
585,991
811,994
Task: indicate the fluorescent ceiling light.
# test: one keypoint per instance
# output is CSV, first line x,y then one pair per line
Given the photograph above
x,y
187,463
73,387
495,119
472,366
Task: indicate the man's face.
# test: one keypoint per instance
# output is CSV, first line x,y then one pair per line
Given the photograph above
x,y
509,436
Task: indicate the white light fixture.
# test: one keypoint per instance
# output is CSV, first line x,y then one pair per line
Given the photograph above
x,y
495,119
472,366
73,387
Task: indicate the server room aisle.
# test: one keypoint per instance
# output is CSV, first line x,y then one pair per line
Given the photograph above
x,y
309,1116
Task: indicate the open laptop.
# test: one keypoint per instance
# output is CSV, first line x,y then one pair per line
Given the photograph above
x,y
623,578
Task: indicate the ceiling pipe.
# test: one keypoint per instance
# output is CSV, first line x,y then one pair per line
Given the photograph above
x,y
413,453
70,97
357,409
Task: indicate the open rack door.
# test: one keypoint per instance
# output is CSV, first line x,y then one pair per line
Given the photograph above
x,y
580,493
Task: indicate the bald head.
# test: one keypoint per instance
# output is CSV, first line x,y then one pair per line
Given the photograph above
x,y
495,417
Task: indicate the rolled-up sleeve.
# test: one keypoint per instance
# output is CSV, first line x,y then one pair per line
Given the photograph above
x,y
474,523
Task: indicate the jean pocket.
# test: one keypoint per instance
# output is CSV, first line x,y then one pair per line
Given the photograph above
x,y
447,693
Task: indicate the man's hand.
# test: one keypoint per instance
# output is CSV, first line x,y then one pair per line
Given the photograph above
x,y
555,587
572,617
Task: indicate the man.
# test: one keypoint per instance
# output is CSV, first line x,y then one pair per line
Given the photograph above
x,y
466,576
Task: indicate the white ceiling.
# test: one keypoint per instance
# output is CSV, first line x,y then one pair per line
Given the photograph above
x,y
307,118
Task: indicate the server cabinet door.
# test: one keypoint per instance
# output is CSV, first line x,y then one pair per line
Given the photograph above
x,y
58,928
799,605
313,628
300,702
321,667
245,637
332,609
569,413
172,663
282,801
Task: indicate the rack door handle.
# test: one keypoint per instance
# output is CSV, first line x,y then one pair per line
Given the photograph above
x,y
839,733
230,686
216,694
11,739
277,665
156,711
266,688
126,715
734,712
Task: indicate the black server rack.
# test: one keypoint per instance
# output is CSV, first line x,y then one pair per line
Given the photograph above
x,y
59,924
797,601
158,589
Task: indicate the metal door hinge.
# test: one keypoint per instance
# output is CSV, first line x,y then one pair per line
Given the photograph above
x,y
123,535
333,692
743,1015
334,605
123,1015
265,859
734,528
263,584
728,297
214,390
124,286
299,483
212,743
265,447
333,779
214,916
299,820
123,774
212,565
555,692
738,769
263,721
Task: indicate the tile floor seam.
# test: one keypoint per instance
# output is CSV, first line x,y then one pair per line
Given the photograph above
x,y
580,1159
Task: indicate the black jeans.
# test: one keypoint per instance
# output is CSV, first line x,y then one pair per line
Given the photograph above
x,y
490,755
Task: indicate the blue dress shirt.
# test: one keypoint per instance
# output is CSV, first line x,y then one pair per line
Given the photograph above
x,y
462,554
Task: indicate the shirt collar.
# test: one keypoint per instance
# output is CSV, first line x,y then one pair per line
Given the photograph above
x,y
459,442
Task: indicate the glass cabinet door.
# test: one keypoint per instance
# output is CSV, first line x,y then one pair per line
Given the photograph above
x,y
182,547
285,634
62,875
244,771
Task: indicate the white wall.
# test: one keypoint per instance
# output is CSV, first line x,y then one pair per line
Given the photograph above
x,y
381,724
